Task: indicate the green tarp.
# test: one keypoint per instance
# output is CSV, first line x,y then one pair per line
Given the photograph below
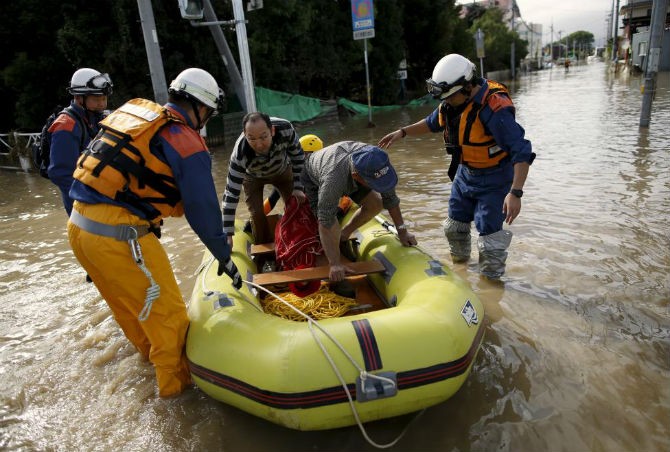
x,y
295,107
292,107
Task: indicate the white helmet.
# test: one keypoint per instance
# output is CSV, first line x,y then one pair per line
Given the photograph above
x,y
86,81
197,84
450,75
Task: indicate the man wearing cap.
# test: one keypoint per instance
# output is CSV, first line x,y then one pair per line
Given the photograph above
x,y
365,174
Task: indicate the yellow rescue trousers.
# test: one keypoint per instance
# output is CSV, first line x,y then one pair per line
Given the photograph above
x,y
109,263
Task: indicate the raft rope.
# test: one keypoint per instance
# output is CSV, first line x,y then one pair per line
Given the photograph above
x,y
322,304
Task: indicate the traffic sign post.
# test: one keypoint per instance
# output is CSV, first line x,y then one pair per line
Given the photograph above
x,y
402,76
481,53
363,24
362,19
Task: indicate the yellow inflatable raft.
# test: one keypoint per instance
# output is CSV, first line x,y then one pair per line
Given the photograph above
x,y
411,351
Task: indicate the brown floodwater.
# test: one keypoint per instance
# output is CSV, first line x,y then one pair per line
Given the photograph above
x,y
576,355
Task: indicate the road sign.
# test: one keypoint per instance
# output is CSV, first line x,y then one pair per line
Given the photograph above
x,y
479,43
362,19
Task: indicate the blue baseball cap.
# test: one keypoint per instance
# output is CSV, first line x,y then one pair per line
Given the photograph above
x,y
373,165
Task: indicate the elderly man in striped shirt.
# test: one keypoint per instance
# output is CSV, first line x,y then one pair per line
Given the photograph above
x,y
267,152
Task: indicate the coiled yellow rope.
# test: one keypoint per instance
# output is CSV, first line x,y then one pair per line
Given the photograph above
x,y
322,304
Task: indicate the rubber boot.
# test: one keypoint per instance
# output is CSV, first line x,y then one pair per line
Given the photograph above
x,y
458,236
493,253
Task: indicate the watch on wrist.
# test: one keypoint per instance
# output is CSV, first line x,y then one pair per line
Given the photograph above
x,y
517,192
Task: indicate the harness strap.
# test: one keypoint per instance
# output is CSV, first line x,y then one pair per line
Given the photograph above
x,y
121,232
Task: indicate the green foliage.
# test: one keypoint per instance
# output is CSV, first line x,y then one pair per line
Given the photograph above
x,y
498,41
475,11
580,39
300,46
432,29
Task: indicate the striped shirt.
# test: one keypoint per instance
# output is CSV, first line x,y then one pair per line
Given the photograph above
x,y
327,177
244,162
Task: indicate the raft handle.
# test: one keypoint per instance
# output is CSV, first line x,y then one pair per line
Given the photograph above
x,y
376,386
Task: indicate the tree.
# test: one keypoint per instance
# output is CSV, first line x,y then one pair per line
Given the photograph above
x,y
497,41
31,65
474,12
432,29
582,40
300,46
303,47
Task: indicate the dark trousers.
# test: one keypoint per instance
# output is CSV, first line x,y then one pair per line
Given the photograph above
x,y
253,192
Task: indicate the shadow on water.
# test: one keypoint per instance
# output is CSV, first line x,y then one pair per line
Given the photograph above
x,y
575,356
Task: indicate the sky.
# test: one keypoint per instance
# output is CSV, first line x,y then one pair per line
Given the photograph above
x,y
568,16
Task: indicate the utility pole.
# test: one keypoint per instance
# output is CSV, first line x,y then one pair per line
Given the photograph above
x,y
610,23
224,51
551,44
532,35
153,51
242,84
615,44
512,56
658,12
245,61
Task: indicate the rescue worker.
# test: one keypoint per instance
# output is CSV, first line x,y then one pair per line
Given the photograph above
x,y
149,163
76,126
490,159
365,174
266,153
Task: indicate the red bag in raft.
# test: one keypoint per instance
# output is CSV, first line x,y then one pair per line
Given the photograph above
x,y
297,243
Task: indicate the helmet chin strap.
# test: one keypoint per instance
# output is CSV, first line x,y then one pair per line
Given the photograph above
x,y
85,107
196,111
83,103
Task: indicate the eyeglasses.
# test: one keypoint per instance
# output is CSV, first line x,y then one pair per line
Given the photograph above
x,y
101,82
443,90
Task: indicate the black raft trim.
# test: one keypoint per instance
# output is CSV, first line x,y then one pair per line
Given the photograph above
x,y
368,344
334,395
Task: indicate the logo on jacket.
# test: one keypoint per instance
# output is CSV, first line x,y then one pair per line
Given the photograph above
x,y
469,314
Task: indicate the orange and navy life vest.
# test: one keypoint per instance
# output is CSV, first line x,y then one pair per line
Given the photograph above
x,y
477,147
119,164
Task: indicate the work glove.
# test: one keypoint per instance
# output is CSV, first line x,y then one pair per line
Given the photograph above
x,y
229,268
